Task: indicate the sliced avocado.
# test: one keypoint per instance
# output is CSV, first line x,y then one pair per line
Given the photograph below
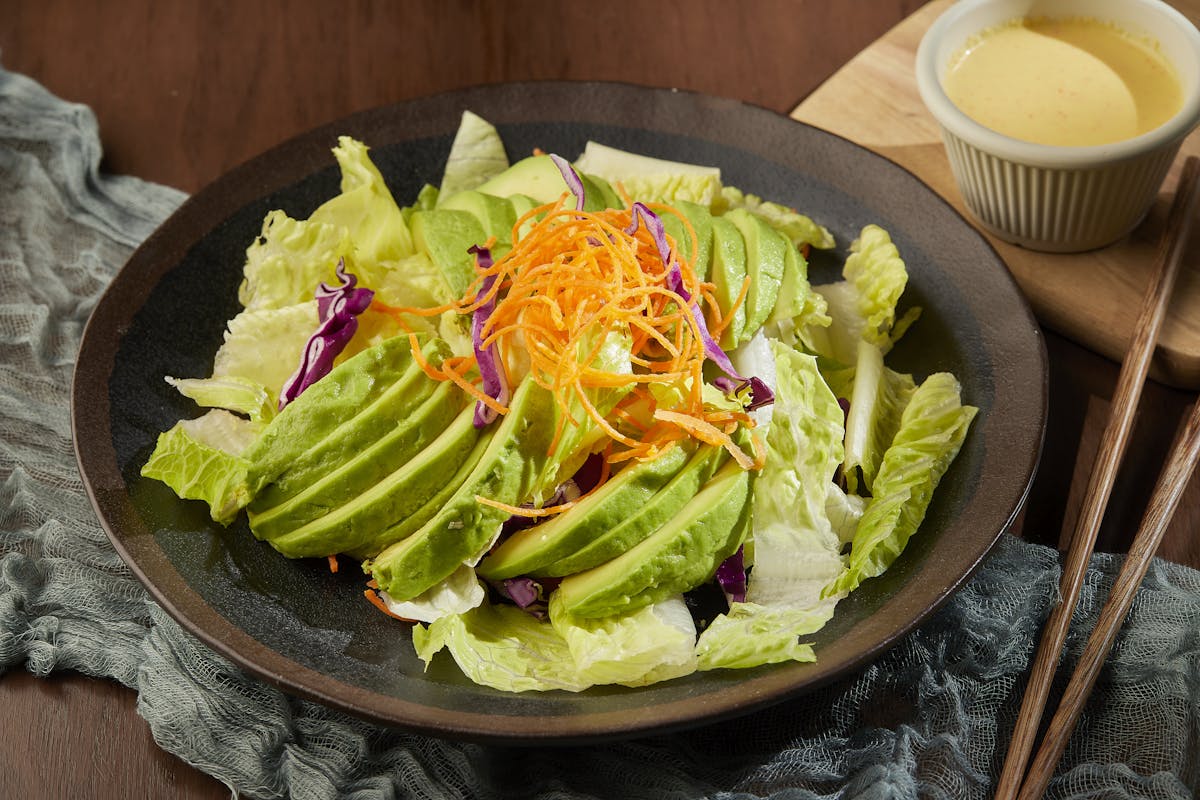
x,y
463,527
495,214
677,557
728,274
608,194
522,204
765,254
327,489
413,522
794,288
323,407
539,178
446,236
349,527
594,515
700,219
645,520
358,428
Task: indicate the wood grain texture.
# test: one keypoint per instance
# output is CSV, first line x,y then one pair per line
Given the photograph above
x,y
1089,297
186,90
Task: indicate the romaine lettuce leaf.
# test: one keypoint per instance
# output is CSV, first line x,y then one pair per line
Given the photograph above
x,y
932,429
877,401
750,635
365,209
654,643
795,549
476,155
651,180
200,459
503,647
232,392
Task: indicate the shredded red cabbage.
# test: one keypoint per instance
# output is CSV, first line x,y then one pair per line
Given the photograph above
x,y
522,591
338,308
488,358
732,577
571,177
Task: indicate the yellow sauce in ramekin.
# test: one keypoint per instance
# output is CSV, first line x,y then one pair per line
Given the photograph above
x,y
1072,82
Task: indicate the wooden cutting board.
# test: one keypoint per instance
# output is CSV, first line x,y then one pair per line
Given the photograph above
x,y
1092,298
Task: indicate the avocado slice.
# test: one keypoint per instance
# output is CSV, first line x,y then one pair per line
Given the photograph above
x,y
360,426
642,521
539,178
463,527
323,407
765,254
608,194
728,274
357,523
677,557
522,204
495,214
323,490
700,219
446,236
794,288
526,551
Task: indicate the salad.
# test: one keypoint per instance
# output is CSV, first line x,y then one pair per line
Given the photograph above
x,y
580,423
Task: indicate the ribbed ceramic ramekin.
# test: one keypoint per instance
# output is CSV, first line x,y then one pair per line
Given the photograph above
x,y
1048,197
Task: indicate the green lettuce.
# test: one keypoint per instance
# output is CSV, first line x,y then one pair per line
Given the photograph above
x,y
476,155
932,429
796,551
506,648
233,393
651,180
200,459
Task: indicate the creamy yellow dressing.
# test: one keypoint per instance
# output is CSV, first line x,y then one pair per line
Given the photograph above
x,y
1071,82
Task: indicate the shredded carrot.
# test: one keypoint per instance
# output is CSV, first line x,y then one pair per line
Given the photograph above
x,y
571,282
333,563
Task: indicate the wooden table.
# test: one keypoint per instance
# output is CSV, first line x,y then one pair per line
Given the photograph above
x,y
186,90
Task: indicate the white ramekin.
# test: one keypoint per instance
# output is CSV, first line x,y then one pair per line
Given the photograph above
x,y
1048,197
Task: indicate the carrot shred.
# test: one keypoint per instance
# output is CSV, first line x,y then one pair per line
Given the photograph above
x,y
571,281
333,563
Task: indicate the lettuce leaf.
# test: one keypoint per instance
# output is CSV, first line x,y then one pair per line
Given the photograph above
x,y
476,155
654,643
233,393
796,552
932,429
503,647
200,459
362,224
651,180
879,396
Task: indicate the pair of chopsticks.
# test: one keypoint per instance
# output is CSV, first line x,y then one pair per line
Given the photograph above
x,y
1174,478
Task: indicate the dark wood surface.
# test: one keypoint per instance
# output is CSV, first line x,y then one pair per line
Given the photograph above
x,y
183,91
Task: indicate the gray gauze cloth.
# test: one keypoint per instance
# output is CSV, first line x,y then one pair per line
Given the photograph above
x,y
929,719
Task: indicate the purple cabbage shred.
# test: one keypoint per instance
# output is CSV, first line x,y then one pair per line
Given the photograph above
x,y
571,178
731,575
488,358
338,308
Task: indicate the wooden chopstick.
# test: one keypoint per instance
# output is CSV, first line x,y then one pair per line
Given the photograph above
x,y
1171,484
1112,447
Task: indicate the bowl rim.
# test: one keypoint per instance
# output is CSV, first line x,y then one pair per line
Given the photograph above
x,y
955,122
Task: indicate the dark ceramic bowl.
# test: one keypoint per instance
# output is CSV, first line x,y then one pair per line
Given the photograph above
x,y
311,632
